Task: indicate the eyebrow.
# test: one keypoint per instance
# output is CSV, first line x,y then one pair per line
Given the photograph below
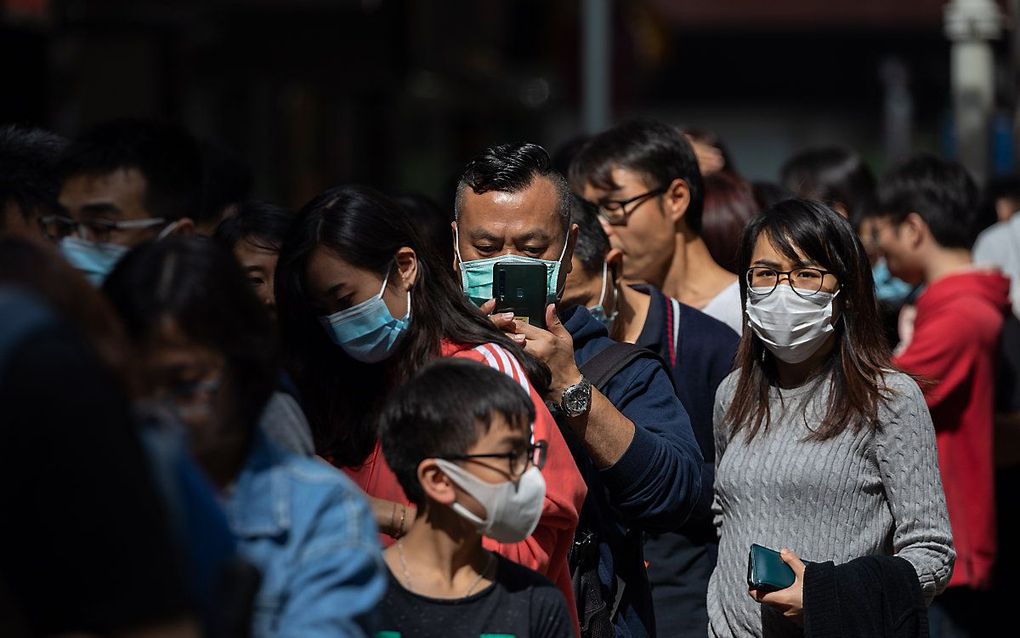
x,y
100,208
482,235
775,265
258,269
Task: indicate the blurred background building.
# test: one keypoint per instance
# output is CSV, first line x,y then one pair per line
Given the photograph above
x,y
399,93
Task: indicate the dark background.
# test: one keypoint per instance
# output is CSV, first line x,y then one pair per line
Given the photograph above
x,y
399,93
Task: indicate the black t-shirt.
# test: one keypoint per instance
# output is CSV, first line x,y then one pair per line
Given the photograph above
x,y
519,604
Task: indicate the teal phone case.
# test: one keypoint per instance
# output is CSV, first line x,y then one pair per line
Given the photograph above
x,y
766,570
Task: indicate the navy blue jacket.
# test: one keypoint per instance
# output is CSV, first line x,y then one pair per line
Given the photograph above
x,y
700,350
654,486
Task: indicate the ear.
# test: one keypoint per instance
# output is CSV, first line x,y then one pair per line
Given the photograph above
x,y
185,227
568,256
676,199
436,485
456,249
615,260
916,229
407,267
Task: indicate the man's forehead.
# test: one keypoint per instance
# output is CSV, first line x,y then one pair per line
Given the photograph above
x,y
533,208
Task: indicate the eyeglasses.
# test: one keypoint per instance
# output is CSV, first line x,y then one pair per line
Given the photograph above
x,y
517,460
616,212
806,282
99,230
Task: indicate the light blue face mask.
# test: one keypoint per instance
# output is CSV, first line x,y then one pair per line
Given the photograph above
x,y
889,288
368,332
599,310
92,259
97,260
476,275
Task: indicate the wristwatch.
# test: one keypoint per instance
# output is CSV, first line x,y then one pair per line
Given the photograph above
x,y
576,398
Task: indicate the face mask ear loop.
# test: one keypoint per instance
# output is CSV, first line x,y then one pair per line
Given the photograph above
x,y
456,243
169,228
602,295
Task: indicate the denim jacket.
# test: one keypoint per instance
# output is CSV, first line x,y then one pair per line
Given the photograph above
x,y
311,533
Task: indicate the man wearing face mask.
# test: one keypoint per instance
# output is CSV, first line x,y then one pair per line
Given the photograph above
x,y
123,183
633,444
699,350
464,458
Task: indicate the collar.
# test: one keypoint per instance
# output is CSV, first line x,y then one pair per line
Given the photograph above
x,y
260,505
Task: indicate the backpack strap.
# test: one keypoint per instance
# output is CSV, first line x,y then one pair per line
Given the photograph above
x,y
673,328
606,364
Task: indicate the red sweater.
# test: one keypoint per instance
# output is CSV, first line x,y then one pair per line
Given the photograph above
x,y
545,551
956,335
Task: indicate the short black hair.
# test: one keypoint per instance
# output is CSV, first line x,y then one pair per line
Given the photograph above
x,y
832,175
511,168
442,411
592,242
433,223
941,192
28,159
166,156
657,151
261,223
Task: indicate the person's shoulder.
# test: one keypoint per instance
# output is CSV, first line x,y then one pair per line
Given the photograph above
x,y
515,578
902,395
708,329
497,357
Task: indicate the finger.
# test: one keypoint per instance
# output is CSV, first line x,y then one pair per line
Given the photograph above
x,y
553,323
531,332
504,321
488,307
794,561
519,339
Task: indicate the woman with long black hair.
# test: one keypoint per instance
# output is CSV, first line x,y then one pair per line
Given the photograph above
x,y
821,445
363,304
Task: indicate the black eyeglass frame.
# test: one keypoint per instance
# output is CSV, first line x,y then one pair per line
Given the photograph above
x,y
621,219
789,277
537,450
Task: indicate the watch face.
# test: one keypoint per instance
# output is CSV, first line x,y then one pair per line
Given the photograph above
x,y
576,399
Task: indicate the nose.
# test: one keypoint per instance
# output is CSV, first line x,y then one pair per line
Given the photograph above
x,y
607,227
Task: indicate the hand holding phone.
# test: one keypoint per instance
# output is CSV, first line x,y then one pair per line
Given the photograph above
x,y
766,570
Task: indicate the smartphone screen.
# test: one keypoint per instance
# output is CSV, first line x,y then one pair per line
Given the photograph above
x,y
521,289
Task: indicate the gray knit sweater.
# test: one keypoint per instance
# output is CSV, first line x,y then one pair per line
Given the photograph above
x,y
857,494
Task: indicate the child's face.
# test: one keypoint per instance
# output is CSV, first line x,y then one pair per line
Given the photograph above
x,y
503,439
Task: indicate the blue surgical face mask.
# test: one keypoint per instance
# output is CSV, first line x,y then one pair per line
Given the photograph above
x,y
599,310
889,288
368,332
93,259
476,275
96,260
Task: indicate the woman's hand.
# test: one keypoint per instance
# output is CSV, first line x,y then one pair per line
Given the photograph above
x,y
392,519
790,601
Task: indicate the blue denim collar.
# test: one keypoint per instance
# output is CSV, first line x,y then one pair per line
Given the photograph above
x,y
260,505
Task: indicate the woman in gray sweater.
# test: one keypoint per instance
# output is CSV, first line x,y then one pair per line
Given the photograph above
x,y
821,447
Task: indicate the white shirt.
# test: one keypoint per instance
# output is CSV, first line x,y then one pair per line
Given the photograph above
x,y
726,307
999,246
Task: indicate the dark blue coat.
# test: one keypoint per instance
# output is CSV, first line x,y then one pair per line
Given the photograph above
x,y
654,487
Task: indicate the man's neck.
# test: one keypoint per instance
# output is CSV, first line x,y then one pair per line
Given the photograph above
x,y
945,262
693,276
440,560
632,307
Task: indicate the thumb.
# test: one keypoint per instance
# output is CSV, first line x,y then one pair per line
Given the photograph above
x,y
794,561
553,323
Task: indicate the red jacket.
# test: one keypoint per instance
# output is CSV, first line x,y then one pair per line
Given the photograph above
x,y
954,347
545,551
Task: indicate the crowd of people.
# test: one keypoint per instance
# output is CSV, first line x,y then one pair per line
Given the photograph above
x,y
221,417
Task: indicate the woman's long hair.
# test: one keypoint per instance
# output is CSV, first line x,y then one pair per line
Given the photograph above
x,y
861,357
342,396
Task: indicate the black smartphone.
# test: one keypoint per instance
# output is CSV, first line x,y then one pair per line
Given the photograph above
x,y
521,289
766,571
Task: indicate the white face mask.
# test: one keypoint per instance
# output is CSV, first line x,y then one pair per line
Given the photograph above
x,y
792,327
512,509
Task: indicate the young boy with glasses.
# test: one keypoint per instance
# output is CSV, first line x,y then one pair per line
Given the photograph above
x,y
458,438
